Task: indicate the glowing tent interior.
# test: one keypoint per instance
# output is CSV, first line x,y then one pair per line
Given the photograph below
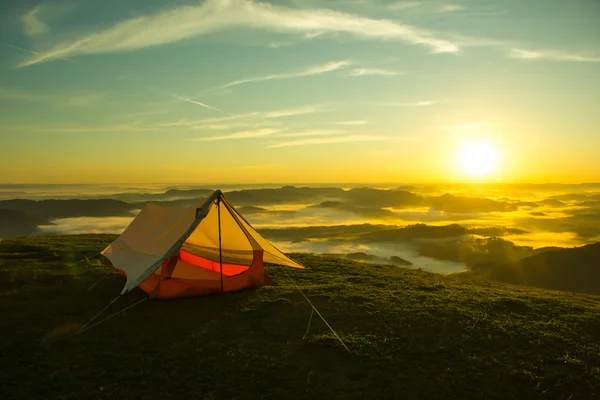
x,y
172,252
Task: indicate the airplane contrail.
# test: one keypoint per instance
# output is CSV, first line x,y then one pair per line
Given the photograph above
x,y
194,102
12,46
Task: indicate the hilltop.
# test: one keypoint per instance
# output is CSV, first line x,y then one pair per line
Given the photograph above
x,y
576,269
411,334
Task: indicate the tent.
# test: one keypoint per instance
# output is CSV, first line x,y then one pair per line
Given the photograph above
x,y
173,252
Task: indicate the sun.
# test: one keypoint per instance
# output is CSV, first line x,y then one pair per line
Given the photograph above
x,y
478,157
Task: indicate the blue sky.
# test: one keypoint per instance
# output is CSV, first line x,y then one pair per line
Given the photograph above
x,y
299,91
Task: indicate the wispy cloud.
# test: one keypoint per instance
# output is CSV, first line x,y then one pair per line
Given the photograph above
x,y
372,71
251,118
238,135
245,121
194,102
68,99
276,45
430,6
126,127
32,24
313,132
536,55
355,123
328,140
314,70
226,118
423,103
403,5
290,112
449,7
183,22
35,52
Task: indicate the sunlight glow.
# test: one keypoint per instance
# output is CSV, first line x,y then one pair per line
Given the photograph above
x,y
478,157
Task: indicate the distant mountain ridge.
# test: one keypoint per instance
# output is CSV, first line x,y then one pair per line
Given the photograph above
x,y
572,269
69,208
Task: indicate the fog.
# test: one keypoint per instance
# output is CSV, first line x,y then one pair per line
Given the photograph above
x,y
75,226
498,222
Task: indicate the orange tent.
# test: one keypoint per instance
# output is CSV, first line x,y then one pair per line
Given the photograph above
x,y
171,252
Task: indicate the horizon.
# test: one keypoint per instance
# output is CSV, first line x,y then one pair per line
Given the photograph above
x,y
297,183
299,91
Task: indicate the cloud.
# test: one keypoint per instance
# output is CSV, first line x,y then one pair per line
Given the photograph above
x,y
36,53
403,5
302,110
449,7
254,117
426,7
314,70
194,102
533,55
238,135
351,123
372,71
313,132
330,140
183,22
276,45
69,99
32,25
216,120
131,127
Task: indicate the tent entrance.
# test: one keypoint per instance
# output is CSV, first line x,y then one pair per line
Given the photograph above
x,y
186,259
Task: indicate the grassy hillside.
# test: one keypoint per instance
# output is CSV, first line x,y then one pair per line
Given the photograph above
x,y
412,335
576,269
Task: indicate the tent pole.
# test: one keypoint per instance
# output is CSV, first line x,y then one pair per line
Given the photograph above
x,y
220,251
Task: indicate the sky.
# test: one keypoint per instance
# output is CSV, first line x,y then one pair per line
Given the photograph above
x,y
237,91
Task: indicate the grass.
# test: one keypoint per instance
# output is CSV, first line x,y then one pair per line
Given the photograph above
x,y
412,334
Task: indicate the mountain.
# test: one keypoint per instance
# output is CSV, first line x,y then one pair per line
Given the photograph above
x,y
367,212
285,194
575,269
51,209
416,231
15,223
458,204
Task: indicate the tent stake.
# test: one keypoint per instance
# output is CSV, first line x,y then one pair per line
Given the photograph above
x,y
220,251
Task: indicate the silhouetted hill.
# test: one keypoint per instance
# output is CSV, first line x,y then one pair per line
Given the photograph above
x,y
417,231
552,203
576,269
368,212
286,194
496,231
296,234
458,204
369,258
473,252
15,223
69,208
382,198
